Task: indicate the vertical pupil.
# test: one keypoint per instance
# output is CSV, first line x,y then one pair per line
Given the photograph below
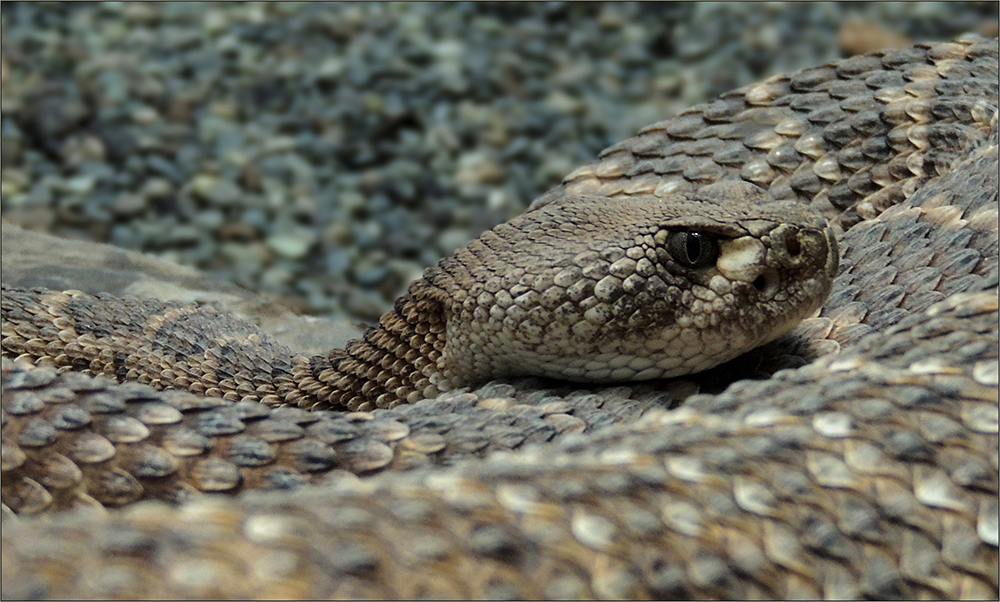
x,y
693,246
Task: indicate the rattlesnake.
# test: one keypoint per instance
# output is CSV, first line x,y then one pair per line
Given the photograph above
x,y
871,472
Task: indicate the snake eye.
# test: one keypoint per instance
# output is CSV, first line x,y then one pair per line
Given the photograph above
x,y
692,249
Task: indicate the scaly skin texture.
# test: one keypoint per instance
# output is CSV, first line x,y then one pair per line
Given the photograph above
x,y
577,289
870,473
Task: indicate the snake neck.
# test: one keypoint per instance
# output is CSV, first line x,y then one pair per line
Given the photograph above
x,y
399,361
174,345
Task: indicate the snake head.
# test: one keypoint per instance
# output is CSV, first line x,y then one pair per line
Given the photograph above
x,y
599,289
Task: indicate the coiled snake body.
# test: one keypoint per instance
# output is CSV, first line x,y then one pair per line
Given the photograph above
x,y
871,472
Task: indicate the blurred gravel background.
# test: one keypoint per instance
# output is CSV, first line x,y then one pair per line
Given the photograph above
x,y
324,154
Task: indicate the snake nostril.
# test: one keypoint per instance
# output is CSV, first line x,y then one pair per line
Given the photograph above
x,y
760,283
